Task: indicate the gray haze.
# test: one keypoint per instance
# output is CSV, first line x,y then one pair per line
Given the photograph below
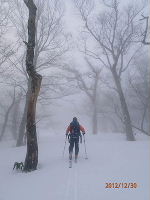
x,y
70,72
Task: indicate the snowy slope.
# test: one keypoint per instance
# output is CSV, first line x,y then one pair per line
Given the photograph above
x,y
111,159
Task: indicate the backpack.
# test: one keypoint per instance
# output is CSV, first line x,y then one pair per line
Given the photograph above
x,y
75,128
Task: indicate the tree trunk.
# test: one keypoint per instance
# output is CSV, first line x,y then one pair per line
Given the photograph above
x,y
94,101
35,79
94,119
15,116
5,122
126,115
148,101
14,120
6,117
22,127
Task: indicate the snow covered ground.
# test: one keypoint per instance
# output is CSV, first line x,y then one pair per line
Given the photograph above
x,y
110,159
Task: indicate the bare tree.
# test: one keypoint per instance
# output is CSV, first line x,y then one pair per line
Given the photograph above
x,y
50,39
89,83
4,13
7,113
145,33
35,79
6,50
114,32
5,53
50,45
139,93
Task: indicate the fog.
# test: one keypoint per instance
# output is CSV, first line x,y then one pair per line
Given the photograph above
x,y
73,55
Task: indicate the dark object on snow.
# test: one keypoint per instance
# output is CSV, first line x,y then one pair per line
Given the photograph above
x,y
74,128
74,141
18,166
73,133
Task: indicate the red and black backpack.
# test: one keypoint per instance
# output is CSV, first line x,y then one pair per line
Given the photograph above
x,y
75,128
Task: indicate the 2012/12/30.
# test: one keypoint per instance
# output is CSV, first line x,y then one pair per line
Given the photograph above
x,y
121,185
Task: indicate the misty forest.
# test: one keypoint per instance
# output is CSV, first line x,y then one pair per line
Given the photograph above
x,y
85,60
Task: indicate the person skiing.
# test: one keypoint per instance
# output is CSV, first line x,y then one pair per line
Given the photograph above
x,y
73,133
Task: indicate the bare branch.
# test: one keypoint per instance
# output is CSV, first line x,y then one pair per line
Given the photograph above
x,y
146,30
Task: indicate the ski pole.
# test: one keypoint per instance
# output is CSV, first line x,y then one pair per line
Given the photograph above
x,y
86,157
64,146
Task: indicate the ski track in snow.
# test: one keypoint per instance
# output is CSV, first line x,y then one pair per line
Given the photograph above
x,y
71,192
76,182
108,161
68,185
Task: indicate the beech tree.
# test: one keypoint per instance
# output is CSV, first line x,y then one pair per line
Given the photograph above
x,y
6,51
35,79
89,83
114,32
50,46
139,92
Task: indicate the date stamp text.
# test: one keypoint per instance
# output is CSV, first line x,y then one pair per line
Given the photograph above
x,y
121,185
